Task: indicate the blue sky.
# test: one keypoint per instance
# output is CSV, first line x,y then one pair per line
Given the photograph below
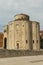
x,y
9,8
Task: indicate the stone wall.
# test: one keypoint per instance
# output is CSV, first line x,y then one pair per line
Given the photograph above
x,y
16,53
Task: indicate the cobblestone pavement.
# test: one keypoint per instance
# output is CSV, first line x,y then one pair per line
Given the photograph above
x,y
24,60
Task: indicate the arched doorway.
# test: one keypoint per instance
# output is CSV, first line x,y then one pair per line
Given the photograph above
x,y
5,43
17,45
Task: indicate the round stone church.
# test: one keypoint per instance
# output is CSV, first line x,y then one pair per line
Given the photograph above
x,y
21,34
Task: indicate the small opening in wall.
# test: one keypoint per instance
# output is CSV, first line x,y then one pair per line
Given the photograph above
x,y
21,17
26,41
4,31
33,41
37,41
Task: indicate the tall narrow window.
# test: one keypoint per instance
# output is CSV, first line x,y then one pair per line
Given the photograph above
x,y
5,31
33,41
26,41
37,41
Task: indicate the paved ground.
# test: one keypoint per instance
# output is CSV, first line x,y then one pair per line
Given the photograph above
x,y
26,60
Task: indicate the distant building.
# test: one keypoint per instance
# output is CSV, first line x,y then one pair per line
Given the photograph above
x,y
1,40
22,34
41,39
41,34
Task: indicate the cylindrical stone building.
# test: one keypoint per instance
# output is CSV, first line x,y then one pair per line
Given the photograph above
x,y
21,34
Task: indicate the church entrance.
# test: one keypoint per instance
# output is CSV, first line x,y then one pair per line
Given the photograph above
x,y
5,43
17,45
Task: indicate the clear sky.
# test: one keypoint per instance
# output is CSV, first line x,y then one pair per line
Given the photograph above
x,y
9,8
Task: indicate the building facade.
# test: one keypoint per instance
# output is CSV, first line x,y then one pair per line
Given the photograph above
x,y
21,34
41,39
1,40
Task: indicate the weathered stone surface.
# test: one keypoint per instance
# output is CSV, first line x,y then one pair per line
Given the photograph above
x,y
22,34
17,53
